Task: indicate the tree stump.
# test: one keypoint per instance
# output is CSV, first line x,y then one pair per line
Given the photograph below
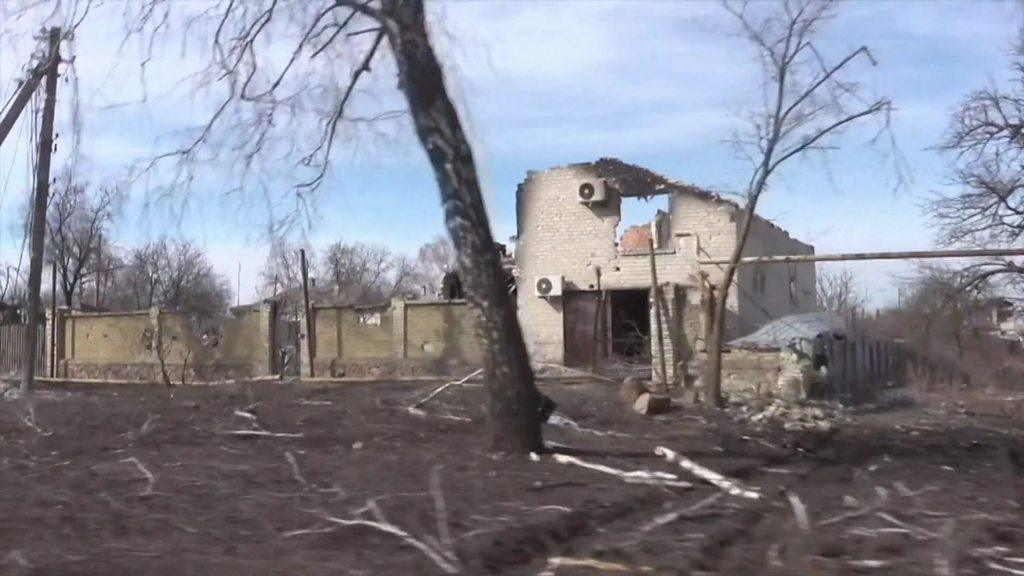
x,y
649,404
631,388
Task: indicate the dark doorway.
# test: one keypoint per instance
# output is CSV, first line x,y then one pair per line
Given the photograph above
x,y
579,310
631,324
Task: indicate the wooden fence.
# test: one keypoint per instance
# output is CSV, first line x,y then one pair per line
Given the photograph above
x,y
859,367
12,348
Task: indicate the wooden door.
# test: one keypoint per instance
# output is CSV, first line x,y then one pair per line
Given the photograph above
x,y
579,310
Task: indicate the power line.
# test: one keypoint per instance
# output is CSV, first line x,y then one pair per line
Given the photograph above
x,y
10,171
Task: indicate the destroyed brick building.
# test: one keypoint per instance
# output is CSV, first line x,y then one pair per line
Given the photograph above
x,y
571,249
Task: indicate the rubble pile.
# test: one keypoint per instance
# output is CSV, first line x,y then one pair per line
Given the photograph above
x,y
806,416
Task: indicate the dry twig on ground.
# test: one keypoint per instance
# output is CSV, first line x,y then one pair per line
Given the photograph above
x,y
252,433
145,472
730,486
630,476
460,382
444,560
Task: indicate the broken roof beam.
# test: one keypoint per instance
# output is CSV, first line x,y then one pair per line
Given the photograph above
x,y
919,255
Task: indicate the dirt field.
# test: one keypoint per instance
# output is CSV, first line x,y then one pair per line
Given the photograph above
x,y
907,491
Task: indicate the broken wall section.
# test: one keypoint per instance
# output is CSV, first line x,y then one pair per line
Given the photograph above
x,y
142,345
402,338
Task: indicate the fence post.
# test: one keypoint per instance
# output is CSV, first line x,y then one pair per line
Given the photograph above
x,y
306,343
267,365
398,328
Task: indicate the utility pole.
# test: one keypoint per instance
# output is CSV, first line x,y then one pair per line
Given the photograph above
x,y
310,337
35,274
99,269
22,98
53,320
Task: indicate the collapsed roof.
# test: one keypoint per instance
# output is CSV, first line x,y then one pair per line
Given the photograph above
x,y
784,331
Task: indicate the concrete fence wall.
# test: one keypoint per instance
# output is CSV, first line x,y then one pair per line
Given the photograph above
x,y
403,338
143,345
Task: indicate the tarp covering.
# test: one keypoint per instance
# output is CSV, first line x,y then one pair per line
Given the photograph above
x,y
788,329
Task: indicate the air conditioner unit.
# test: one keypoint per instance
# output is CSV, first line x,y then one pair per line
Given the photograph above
x,y
592,192
548,286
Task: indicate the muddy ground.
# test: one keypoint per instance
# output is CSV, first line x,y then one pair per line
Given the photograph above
x,y
897,491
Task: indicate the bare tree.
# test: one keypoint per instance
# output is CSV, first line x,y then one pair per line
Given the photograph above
x,y
937,307
359,269
808,103
141,276
282,269
175,275
838,292
188,282
12,284
75,223
266,107
432,259
987,206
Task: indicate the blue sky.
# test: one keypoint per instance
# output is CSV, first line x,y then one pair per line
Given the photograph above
x,y
662,84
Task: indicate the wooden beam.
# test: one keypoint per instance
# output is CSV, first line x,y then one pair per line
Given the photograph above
x,y
656,297
918,255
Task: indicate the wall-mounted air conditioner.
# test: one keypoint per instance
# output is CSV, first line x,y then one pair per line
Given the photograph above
x,y
592,192
548,286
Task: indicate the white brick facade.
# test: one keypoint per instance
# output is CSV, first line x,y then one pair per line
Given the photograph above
x,y
558,235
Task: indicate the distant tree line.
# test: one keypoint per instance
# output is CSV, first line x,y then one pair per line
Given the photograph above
x,y
94,272
354,272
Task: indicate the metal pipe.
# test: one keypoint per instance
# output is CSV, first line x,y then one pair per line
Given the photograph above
x,y
918,255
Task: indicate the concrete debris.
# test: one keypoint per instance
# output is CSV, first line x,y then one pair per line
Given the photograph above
x,y
805,416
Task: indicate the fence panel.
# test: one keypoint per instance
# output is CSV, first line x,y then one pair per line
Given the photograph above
x,y
12,348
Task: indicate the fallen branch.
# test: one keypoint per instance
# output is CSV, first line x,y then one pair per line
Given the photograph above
x,y
304,531
1001,568
145,472
250,433
867,563
246,415
630,476
921,532
443,387
730,486
670,517
438,557
421,413
799,511
296,473
441,510
561,561
562,421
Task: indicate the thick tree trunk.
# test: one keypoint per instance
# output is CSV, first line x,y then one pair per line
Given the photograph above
x,y
716,340
515,402
713,371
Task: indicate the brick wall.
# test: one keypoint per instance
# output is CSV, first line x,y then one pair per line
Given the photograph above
x,y
441,330
559,236
123,345
764,289
747,373
404,338
353,333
